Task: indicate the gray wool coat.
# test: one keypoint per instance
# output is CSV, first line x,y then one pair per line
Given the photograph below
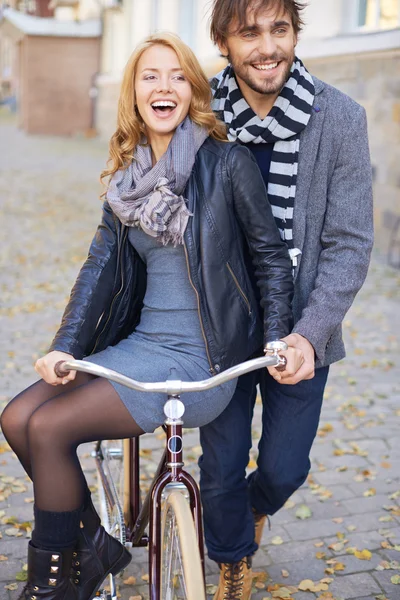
x,y
333,219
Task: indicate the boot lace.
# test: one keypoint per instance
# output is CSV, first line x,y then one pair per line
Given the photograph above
x,y
29,592
233,588
24,592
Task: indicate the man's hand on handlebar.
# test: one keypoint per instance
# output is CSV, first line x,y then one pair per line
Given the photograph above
x,y
305,368
45,368
294,361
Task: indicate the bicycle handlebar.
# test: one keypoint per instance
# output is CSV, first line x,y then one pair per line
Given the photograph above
x,y
62,369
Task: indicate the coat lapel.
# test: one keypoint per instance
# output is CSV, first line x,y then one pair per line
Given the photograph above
x,y
309,144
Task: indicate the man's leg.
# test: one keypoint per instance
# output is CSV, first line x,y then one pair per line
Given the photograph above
x,y
226,442
290,422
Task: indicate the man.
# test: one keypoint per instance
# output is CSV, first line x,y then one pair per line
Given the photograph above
x,y
310,142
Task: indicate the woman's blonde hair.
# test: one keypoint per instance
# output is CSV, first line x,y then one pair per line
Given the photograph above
x,y
130,127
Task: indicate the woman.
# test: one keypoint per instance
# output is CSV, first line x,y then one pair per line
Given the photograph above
x,y
164,285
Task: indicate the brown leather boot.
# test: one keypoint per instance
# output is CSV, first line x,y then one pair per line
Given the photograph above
x,y
259,522
235,581
49,576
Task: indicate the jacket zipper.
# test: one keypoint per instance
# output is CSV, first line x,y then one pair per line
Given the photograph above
x,y
99,321
113,301
241,292
212,370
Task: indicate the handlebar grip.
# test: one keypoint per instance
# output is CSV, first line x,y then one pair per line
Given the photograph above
x,y
282,366
58,369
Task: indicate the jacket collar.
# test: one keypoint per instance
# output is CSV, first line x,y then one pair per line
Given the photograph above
x,y
319,85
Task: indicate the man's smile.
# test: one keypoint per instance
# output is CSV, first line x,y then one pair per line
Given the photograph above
x,y
265,66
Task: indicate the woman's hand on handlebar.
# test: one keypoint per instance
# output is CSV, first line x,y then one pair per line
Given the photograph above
x,y
294,361
45,368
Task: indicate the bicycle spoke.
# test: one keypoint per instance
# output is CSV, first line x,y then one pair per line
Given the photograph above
x,y
174,585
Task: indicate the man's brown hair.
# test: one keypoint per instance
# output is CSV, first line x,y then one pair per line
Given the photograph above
x,y
227,11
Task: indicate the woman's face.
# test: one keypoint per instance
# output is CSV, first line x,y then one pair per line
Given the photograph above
x,y
163,94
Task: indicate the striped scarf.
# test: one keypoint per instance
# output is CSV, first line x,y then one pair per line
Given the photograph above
x,y
151,197
282,127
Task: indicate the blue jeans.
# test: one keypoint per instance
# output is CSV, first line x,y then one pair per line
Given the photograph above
x,y
290,421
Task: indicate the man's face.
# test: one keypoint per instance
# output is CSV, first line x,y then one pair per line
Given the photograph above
x,y
263,50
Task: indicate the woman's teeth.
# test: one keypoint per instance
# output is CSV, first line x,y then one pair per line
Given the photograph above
x,y
164,105
266,67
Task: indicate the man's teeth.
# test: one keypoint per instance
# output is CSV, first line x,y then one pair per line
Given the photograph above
x,y
164,103
266,67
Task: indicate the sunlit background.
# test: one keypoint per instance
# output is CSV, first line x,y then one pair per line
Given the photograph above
x,y
61,63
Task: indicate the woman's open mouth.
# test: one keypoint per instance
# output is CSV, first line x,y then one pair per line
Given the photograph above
x,y
164,108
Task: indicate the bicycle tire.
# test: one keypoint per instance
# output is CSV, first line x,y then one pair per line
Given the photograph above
x,y
179,544
113,464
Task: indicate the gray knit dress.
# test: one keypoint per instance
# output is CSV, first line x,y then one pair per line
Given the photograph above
x,y
168,336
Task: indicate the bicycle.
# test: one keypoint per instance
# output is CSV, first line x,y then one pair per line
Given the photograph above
x,y
171,507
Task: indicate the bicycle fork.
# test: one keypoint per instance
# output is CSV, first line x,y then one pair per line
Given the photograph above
x,y
173,474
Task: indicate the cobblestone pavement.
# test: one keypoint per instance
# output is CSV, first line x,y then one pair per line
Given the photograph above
x,y
341,527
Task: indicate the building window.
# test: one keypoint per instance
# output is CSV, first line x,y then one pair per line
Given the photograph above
x,y
28,6
378,14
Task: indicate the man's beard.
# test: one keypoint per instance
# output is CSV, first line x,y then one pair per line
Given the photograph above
x,y
272,86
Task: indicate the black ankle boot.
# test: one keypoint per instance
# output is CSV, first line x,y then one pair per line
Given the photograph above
x,y
49,576
96,555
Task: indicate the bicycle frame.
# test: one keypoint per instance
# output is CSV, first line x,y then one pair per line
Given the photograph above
x,y
135,515
138,515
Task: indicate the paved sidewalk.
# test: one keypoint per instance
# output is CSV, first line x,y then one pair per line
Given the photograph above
x,y
339,534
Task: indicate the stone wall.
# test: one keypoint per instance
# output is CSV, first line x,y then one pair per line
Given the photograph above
x,y
373,80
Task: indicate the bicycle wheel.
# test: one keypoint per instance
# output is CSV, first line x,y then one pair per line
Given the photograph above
x,y
181,570
112,486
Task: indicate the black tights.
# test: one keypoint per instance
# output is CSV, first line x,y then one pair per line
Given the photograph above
x,y
44,425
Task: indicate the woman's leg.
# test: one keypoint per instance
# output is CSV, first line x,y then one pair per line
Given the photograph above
x,y
88,413
15,417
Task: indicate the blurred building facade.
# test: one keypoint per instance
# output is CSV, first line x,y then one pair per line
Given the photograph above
x,y
355,46
49,59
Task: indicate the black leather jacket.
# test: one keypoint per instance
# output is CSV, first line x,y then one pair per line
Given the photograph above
x,y
226,195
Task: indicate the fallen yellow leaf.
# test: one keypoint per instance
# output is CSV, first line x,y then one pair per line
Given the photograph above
x,y
277,540
259,585
260,575
282,594
338,547
306,585
363,555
